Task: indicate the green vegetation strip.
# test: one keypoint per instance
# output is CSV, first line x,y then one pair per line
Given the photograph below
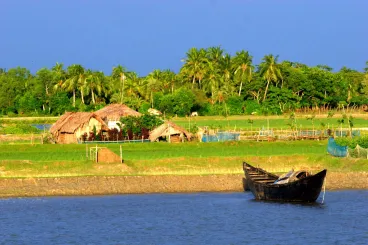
x,y
171,159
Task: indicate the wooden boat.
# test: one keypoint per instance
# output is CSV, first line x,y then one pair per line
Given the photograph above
x,y
299,186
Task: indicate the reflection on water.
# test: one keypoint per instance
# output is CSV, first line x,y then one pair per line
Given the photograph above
x,y
199,218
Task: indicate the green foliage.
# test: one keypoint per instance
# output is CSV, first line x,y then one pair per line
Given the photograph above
x,y
252,107
138,126
234,105
19,128
183,101
144,107
208,79
353,142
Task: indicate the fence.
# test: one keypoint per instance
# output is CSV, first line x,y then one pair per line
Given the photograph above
x,y
335,149
221,137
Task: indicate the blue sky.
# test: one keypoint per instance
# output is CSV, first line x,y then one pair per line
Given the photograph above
x,y
143,35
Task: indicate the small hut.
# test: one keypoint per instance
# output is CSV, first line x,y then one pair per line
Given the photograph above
x,y
111,114
171,132
72,125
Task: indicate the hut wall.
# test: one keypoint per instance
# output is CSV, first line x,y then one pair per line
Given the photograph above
x,y
88,127
65,138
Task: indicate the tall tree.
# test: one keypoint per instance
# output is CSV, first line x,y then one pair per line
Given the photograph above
x,y
118,76
76,81
153,84
270,71
194,64
94,84
242,65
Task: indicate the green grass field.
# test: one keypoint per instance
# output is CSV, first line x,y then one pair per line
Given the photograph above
x,y
272,122
191,158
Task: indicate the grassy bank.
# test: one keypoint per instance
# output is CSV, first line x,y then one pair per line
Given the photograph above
x,y
273,122
171,159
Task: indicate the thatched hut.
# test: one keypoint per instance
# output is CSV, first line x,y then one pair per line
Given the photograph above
x,y
72,125
111,114
171,132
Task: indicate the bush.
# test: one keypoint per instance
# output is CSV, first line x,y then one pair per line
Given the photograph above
x,y
251,106
353,142
235,105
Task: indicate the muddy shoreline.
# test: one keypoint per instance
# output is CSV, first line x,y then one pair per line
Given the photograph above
x,y
109,185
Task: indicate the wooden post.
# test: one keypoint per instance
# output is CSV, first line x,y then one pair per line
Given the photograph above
x,y
96,153
121,155
169,132
41,139
32,139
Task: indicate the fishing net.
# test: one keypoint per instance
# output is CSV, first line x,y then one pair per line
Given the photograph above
x,y
221,136
358,152
335,149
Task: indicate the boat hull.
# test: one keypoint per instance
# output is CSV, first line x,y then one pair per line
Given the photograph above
x,y
303,190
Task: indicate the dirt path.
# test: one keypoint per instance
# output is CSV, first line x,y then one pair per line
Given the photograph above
x,y
104,185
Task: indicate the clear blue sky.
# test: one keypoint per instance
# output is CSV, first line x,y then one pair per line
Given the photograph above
x,y
143,35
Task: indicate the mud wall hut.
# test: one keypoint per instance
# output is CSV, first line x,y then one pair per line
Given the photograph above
x,y
111,114
72,125
171,132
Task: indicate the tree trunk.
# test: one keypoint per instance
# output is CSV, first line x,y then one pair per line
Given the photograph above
x,y
151,99
265,94
93,97
240,89
82,97
193,81
73,97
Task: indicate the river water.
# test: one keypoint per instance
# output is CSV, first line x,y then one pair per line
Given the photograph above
x,y
199,218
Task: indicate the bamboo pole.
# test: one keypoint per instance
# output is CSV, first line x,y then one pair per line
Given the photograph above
x,y
121,154
96,154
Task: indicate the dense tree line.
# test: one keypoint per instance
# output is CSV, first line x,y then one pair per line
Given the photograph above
x,y
210,81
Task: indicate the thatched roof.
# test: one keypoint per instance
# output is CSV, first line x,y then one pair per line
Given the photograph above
x,y
166,129
114,112
71,121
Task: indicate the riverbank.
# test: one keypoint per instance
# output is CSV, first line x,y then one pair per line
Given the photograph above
x,y
108,185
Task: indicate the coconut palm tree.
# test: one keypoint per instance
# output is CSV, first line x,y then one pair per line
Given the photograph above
x,y
194,64
153,84
212,80
76,81
242,66
170,79
214,54
58,75
95,84
270,71
118,77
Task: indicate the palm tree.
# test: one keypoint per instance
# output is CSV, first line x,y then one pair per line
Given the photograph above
x,y
225,67
214,54
132,84
58,76
269,71
242,65
77,80
94,84
212,79
118,74
169,78
153,84
194,64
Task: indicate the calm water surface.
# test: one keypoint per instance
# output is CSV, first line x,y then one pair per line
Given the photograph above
x,y
210,218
